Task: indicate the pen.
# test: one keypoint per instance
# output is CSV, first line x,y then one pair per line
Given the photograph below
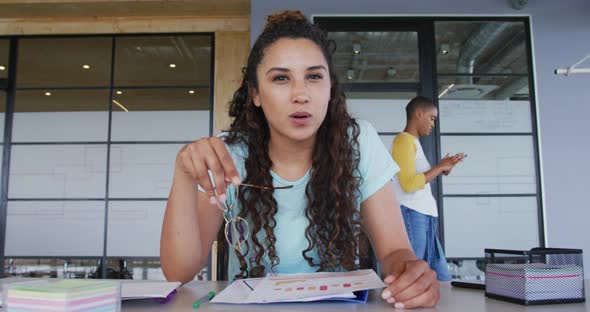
x,y
204,299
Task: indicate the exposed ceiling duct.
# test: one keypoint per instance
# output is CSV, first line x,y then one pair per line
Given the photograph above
x,y
509,89
517,42
474,46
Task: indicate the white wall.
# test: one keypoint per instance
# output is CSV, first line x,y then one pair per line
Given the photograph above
x,y
561,36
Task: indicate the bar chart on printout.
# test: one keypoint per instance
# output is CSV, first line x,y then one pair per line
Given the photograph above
x,y
282,287
288,286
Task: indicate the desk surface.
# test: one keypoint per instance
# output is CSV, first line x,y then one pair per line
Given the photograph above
x,y
452,299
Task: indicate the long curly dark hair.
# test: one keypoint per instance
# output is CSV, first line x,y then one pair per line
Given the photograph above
x,y
334,221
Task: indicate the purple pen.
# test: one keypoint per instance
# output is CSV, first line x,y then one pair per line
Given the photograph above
x,y
168,298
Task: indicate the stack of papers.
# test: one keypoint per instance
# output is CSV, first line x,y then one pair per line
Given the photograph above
x,y
130,289
535,281
63,295
342,286
141,289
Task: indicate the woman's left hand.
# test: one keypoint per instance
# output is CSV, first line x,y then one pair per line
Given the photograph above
x,y
411,284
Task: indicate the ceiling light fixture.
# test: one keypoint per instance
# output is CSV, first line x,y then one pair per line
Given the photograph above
x,y
350,74
446,90
121,106
391,71
356,48
172,65
2,67
119,92
191,91
48,93
445,48
86,66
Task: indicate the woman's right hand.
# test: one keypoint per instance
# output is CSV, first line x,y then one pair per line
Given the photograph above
x,y
199,157
448,162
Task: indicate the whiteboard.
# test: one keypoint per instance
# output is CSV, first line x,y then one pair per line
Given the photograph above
x,y
54,228
384,115
160,125
134,228
485,116
472,224
494,165
57,171
60,126
142,170
387,141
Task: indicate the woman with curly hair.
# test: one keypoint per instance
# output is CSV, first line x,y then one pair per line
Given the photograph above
x,y
295,177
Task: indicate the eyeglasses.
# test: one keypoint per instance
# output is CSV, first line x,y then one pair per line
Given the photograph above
x,y
237,228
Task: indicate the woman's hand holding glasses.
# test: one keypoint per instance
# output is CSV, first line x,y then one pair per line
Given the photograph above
x,y
209,154
237,228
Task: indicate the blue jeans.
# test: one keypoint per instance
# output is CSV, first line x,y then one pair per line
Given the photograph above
x,y
422,230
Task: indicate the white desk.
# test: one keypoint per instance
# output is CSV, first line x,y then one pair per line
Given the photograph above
x,y
452,300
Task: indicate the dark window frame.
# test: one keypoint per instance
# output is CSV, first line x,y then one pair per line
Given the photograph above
x,y
9,86
427,86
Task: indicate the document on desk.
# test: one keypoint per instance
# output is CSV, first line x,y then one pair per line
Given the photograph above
x,y
146,289
305,287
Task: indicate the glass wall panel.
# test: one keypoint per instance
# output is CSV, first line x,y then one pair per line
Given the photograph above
x,y
387,141
2,112
472,116
375,95
54,228
494,165
150,270
154,92
4,57
142,170
64,62
481,47
172,114
138,269
385,115
61,115
472,224
142,269
50,268
386,56
484,88
145,218
58,171
163,60
386,111
485,111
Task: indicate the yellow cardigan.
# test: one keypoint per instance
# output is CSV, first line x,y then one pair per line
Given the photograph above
x,y
404,154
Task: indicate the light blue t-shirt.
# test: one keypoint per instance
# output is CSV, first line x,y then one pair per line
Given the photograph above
x,y
376,168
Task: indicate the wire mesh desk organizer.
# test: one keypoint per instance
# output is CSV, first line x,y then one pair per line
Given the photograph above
x,y
536,276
